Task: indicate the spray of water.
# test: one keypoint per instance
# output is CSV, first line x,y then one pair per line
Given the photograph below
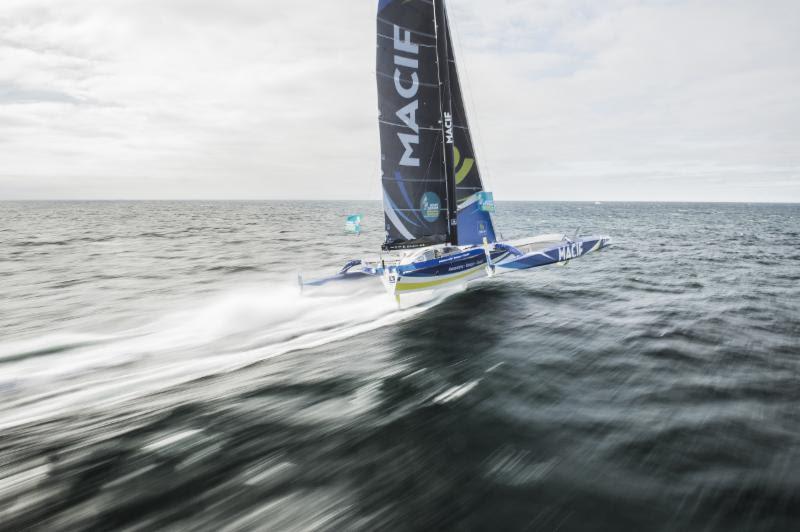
x,y
57,373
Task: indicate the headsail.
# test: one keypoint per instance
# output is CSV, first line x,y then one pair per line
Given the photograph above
x,y
474,223
414,186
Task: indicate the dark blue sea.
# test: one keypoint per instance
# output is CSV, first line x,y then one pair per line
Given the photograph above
x,y
159,370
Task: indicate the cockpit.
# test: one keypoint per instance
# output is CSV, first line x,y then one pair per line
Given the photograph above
x,y
426,254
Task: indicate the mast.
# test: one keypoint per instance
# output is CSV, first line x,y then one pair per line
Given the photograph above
x,y
446,104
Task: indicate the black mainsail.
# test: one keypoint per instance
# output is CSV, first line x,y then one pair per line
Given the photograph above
x,y
429,173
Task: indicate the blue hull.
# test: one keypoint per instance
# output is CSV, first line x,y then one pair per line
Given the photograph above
x,y
466,265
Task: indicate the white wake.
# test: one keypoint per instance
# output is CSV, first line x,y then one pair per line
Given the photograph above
x,y
209,337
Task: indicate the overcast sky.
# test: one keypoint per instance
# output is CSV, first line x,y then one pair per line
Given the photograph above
x,y
571,100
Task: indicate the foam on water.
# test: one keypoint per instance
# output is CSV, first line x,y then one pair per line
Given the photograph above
x,y
233,329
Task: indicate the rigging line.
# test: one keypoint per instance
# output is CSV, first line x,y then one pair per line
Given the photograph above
x,y
433,153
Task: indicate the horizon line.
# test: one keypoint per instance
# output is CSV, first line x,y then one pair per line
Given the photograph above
x,y
242,200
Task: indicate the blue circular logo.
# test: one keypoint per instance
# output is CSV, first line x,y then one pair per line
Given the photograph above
x,y
429,205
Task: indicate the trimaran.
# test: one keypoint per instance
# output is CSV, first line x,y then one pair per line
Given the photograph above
x,y
440,232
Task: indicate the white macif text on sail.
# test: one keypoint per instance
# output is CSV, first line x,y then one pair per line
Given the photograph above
x,y
448,127
407,86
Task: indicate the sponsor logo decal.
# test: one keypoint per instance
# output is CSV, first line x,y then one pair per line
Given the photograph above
x,y
448,127
406,83
465,266
486,201
569,251
466,165
430,206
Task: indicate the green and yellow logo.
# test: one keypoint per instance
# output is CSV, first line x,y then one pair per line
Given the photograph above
x,y
466,167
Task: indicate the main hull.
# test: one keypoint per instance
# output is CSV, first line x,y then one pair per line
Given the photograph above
x,y
488,261
445,272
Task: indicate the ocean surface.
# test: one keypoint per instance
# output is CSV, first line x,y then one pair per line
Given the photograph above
x,y
159,369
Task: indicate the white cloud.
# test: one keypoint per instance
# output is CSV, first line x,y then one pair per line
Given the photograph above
x,y
607,100
693,100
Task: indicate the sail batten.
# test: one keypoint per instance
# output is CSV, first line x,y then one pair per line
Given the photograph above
x,y
410,30
395,124
420,83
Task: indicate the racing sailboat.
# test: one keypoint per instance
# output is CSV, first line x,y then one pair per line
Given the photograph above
x,y
440,231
